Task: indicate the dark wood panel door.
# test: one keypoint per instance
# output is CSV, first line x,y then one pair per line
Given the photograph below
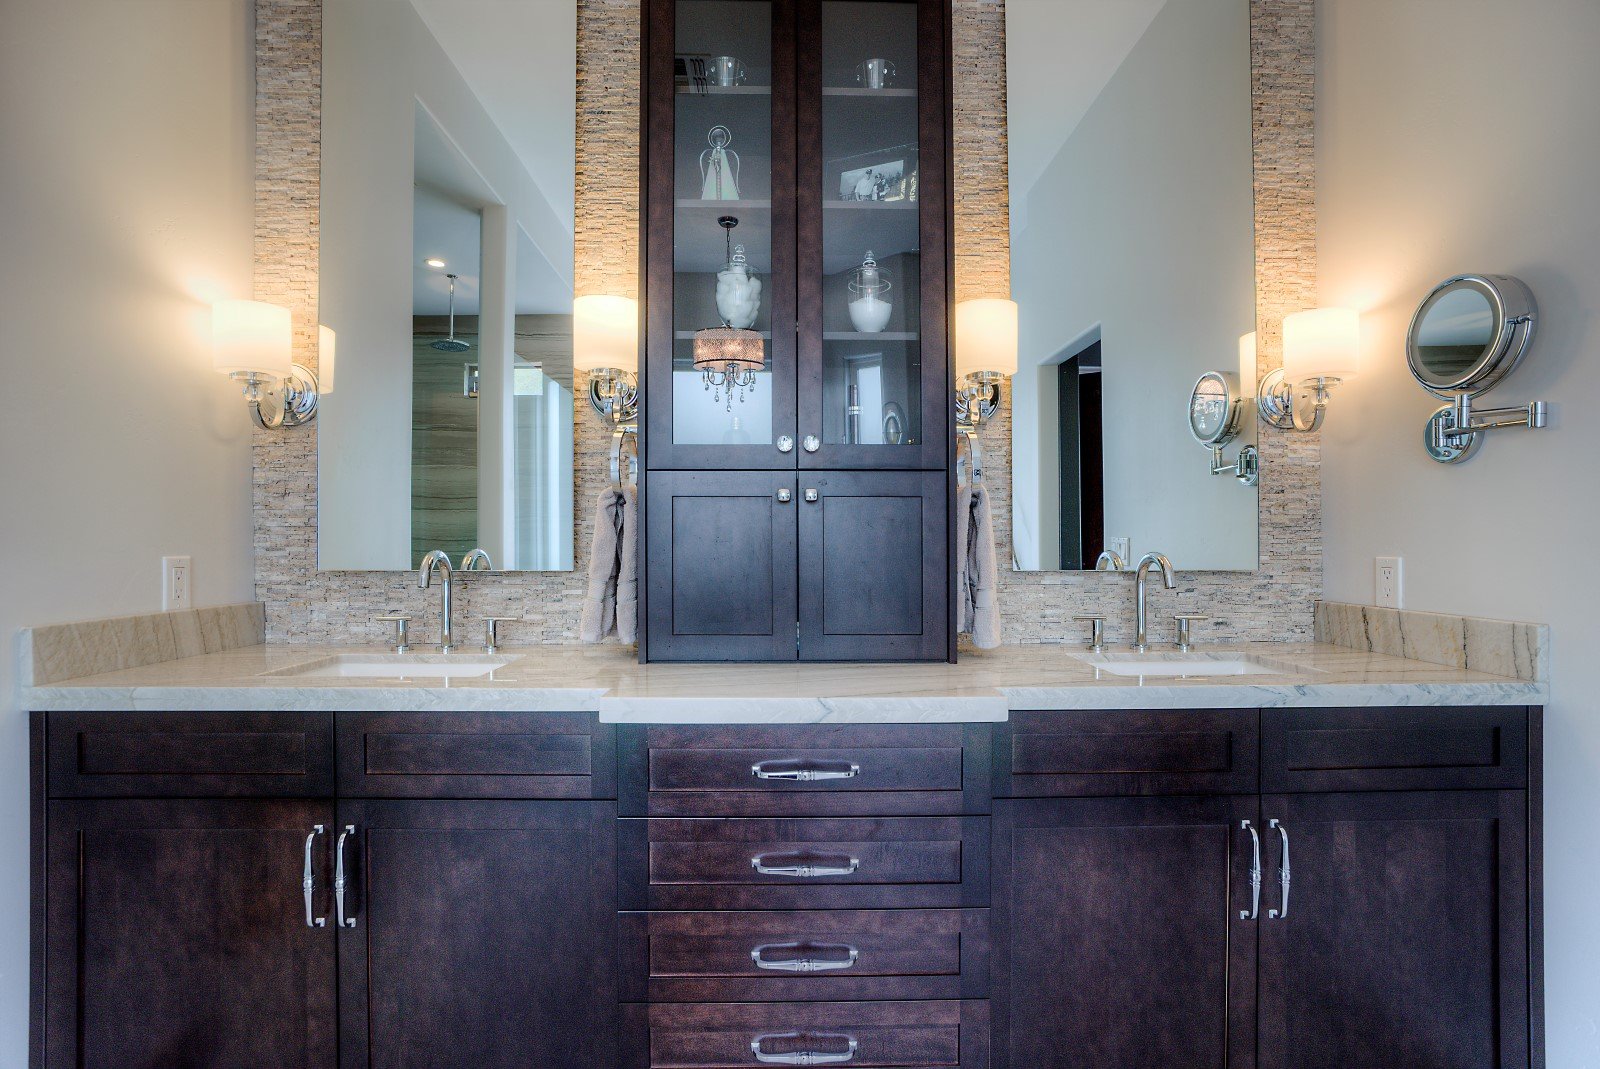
x,y
875,581
479,935
176,936
721,577
1406,935
1122,933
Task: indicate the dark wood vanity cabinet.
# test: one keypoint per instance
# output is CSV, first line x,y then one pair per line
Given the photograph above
x,y
1398,853
799,146
446,898
1069,889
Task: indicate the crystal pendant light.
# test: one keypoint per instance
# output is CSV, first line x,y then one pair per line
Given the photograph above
x,y
728,357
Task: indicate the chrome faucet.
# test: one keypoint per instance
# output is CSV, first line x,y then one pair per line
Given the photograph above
x,y
478,556
1168,580
440,561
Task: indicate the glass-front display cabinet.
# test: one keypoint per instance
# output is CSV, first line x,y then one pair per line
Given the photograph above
x,y
797,273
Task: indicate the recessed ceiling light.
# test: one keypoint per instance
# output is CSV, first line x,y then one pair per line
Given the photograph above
x,y
434,261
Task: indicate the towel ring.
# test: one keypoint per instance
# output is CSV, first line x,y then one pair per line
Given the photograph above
x,y
969,449
624,456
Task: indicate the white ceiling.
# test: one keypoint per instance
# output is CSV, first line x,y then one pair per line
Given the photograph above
x,y
1059,56
519,57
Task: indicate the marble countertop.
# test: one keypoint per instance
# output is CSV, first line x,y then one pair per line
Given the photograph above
x,y
984,686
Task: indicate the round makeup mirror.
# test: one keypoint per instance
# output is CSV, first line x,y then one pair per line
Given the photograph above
x,y
1213,410
1469,333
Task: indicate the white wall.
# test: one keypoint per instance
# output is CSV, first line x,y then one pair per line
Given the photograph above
x,y
1461,135
1143,225
126,198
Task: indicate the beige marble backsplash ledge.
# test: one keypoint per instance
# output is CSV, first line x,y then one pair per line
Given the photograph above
x,y
56,652
1498,647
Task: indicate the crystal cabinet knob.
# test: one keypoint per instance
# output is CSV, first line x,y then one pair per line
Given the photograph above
x,y
812,443
785,444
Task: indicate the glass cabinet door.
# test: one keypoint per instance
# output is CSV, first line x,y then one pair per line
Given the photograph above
x,y
872,269
720,238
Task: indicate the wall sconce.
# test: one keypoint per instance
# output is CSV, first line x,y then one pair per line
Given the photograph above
x,y
1321,348
605,343
253,344
986,353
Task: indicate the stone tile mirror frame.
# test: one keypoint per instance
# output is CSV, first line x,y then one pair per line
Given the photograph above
x,y
303,605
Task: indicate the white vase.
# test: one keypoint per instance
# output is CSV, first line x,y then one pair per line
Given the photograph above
x,y
869,314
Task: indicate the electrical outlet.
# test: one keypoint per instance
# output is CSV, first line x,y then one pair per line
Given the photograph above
x,y
1122,547
175,583
1387,577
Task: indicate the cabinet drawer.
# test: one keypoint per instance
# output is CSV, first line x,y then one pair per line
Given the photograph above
x,y
1394,749
805,956
821,770
475,755
804,863
1120,752
914,1035
189,754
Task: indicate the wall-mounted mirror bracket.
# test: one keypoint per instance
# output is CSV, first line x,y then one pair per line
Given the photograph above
x,y
1469,333
1247,469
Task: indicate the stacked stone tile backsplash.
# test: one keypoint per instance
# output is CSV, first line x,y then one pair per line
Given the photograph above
x,y
305,605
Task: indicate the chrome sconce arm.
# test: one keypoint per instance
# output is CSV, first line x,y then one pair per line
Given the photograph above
x,y
279,403
1283,404
978,397
614,393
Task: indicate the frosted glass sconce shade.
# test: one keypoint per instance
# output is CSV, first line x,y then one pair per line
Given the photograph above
x,y
1323,343
252,337
605,333
986,337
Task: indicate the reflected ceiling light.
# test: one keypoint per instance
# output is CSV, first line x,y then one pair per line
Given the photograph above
x,y
434,262
605,343
1321,348
253,344
985,354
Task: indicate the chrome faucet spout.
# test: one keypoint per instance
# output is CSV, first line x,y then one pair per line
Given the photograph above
x,y
1141,638
439,561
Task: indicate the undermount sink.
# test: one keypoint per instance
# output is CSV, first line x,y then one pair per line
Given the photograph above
x,y
1188,665
396,666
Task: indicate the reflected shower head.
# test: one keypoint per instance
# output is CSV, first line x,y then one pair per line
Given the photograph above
x,y
452,344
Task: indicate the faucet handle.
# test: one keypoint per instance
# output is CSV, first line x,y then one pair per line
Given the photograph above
x,y
1097,629
1184,620
491,631
402,624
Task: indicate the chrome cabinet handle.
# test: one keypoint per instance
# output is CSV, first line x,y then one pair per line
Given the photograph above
x,y
785,496
803,773
807,1057
812,496
759,956
1255,874
805,869
308,882
1283,872
338,879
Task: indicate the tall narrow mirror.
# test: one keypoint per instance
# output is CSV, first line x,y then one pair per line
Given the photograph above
x,y
1133,266
446,277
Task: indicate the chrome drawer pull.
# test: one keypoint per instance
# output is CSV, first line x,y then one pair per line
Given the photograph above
x,y
308,882
1255,874
807,1057
805,869
1283,873
339,880
759,956
803,773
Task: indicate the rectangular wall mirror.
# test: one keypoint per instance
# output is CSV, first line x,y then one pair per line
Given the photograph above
x,y
1133,266
446,276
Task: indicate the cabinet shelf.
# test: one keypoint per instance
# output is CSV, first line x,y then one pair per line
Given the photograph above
x,y
725,90
857,91
881,336
870,205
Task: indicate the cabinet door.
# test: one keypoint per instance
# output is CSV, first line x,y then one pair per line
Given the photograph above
x,y
478,935
875,580
719,235
721,581
874,383
1118,935
176,936
1406,935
